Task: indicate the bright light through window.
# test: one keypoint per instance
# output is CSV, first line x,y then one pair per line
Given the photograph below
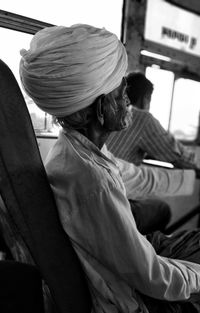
x,y
104,13
183,120
12,43
161,97
185,109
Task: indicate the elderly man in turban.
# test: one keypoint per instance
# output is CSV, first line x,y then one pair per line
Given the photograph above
x,y
77,75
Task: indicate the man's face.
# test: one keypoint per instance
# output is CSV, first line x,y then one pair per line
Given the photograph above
x,y
118,109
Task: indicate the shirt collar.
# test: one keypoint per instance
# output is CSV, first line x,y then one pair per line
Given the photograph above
x,y
92,149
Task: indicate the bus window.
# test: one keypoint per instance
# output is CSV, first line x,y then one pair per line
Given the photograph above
x,y
185,109
177,110
161,98
11,44
102,13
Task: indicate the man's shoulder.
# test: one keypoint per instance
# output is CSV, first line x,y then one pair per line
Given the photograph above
x,y
140,112
141,115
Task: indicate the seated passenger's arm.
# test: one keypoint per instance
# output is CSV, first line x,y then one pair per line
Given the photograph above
x,y
146,181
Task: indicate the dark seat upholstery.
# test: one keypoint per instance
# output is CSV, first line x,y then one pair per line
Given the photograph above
x,y
20,288
30,205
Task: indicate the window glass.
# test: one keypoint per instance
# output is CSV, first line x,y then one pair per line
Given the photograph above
x,y
162,94
185,109
104,13
11,44
183,120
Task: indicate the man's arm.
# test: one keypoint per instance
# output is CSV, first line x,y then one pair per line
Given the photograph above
x,y
146,181
161,145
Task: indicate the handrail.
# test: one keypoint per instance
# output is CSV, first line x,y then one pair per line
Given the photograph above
x,y
21,23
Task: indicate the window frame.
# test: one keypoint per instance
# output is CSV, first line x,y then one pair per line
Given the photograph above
x,y
21,23
177,75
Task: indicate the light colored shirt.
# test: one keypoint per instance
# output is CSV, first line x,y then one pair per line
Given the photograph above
x,y
146,181
96,215
146,136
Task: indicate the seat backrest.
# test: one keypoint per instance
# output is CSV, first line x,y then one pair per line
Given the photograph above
x,y
29,200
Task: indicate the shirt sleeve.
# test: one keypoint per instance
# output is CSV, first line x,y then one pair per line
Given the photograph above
x,y
146,181
160,144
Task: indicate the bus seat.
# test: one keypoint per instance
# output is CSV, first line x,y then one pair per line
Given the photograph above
x,y
30,205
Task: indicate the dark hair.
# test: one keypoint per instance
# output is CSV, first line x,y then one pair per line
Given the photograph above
x,y
138,86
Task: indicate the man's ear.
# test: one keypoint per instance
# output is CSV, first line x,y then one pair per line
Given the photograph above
x,y
100,109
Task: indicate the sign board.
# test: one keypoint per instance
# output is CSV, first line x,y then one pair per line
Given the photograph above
x,y
171,26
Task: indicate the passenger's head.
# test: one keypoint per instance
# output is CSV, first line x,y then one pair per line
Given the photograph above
x,y
139,90
67,69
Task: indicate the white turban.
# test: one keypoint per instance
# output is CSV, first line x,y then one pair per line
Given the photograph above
x,y
67,68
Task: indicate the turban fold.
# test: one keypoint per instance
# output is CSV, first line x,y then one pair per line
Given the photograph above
x,y
67,68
